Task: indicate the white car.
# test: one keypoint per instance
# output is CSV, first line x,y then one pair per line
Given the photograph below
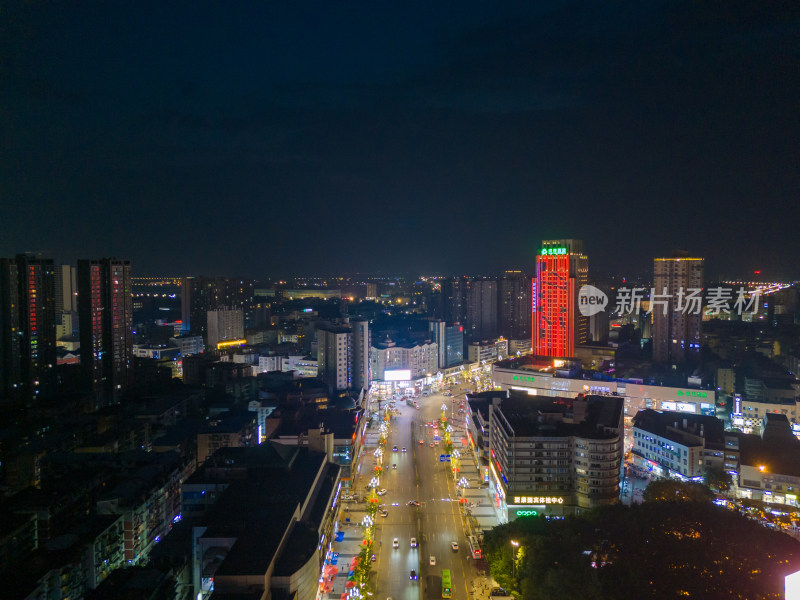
x,y
395,543
432,561
413,542
454,546
381,492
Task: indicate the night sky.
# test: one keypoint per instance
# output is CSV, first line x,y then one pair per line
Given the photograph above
x,y
327,137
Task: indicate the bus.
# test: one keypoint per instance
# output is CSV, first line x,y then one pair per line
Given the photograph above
x,y
475,547
446,589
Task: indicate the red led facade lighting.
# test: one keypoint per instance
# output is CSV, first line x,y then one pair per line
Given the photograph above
x,y
554,316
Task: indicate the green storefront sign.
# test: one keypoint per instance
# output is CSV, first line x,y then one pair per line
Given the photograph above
x,y
553,251
693,394
523,378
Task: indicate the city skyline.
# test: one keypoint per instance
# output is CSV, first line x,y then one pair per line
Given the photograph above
x,y
315,139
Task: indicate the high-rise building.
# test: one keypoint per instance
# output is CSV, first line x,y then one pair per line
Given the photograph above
x,y
561,270
202,294
360,340
66,295
481,316
454,299
449,340
676,318
224,326
334,355
514,305
105,308
27,326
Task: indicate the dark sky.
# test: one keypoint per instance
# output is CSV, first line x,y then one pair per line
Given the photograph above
x,y
324,137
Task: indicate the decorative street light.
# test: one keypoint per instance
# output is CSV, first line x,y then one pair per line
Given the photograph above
x,y
515,545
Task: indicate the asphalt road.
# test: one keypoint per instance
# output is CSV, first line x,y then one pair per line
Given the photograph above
x,y
435,524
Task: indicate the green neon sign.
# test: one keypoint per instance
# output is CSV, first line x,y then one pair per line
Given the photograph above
x,y
527,513
560,250
693,394
523,378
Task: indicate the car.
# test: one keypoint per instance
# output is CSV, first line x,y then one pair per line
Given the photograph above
x,y
432,561
431,444
413,542
398,504
394,448
412,574
435,443
394,465
373,559
384,513
422,442
413,503
454,546
381,492
404,448
395,543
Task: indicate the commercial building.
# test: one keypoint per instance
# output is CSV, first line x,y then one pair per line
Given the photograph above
x,y
105,306
480,319
676,317
199,295
487,351
514,305
561,270
770,463
681,446
554,456
225,325
392,362
251,538
539,376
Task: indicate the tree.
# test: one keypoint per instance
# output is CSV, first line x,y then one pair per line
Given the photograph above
x,y
718,479
670,490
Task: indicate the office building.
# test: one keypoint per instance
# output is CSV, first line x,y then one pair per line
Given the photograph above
x,y
481,310
105,308
438,331
224,325
487,351
676,318
561,270
514,304
27,326
554,456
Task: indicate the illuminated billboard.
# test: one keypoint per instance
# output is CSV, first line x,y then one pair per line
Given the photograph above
x,y
397,375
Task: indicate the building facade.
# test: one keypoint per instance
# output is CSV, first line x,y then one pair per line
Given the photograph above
x,y
561,270
481,310
554,456
514,305
225,325
676,320
105,306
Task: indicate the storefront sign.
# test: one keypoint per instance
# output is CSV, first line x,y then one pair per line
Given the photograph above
x,y
538,500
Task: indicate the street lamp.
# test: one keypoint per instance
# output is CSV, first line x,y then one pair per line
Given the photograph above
x,y
515,545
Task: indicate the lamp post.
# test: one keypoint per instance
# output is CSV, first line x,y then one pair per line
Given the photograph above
x,y
515,545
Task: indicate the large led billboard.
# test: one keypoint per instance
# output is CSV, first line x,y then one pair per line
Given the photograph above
x,y
397,375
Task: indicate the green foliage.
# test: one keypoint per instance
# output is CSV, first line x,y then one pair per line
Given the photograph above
x,y
718,479
670,490
650,551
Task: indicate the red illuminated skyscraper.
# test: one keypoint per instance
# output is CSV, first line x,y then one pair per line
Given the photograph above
x,y
561,270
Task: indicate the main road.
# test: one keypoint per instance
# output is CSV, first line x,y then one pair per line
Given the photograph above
x,y
435,523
